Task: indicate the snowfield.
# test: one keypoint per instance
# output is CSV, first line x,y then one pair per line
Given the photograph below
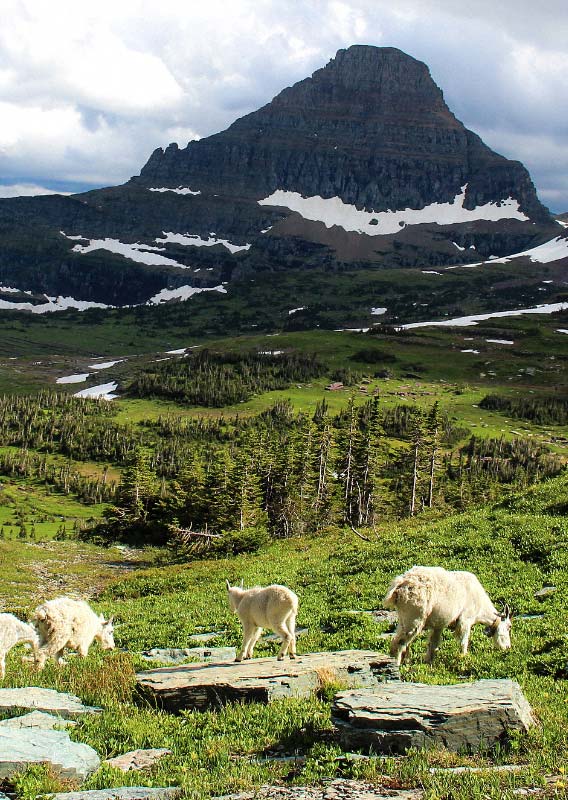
x,y
182,293
333,211
103,391
142,253
51,304
462,322
187,239
106,364
73,378
179,190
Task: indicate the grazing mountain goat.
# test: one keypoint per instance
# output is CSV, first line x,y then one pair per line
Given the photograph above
x,y
12,632
273,607
433,598
64,622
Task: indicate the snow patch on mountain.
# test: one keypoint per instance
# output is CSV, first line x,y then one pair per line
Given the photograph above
x,y
51,304
187,239
106,364
333,211
179,190
73,378
462,322
140,252
182,293
104,391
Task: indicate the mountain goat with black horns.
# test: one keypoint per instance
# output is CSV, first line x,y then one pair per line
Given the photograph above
x,y
273,607
433,598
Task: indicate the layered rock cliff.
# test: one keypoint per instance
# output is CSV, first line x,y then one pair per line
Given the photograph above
x,y
360,165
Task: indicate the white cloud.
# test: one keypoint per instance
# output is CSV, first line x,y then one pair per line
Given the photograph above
x,y
24,190
88,91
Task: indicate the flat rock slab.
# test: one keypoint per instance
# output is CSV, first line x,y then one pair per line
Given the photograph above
x,y
138,759
48,700
21,747
122,793
202,686
465,716
340,789
179,655
37,719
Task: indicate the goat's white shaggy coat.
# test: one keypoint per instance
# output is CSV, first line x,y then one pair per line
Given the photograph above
x,y
12,632
65,622
273,607
434,598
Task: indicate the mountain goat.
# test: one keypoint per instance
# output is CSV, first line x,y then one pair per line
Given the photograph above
x,y
434,598
273,607
64,622
12,632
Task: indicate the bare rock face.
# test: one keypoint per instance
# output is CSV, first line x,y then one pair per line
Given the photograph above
x,y
396,717
122,793
138,759
38,719
202,686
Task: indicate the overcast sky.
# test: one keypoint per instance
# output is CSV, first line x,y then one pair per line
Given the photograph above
x,y
88,89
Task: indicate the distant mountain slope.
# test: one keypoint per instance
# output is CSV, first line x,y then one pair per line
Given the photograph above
x,y
362,164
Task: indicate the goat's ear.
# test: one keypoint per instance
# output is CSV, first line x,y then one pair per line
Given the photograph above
x,y
227,584
110,620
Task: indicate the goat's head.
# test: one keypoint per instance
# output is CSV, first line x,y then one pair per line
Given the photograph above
x,y
106,635
234,593
500,631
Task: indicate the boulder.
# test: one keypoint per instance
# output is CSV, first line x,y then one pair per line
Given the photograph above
x,y
465,716
21,747
202,686
138,759
122,793
37,719
48,700
339,789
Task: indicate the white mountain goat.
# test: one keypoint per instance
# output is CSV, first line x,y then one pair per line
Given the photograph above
x,y
273,607
434,598
12,632
64,622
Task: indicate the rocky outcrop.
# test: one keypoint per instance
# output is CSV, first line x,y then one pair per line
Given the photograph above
x,y
138,759
202,686
122,793
47,700
466,716
339,789
38,720
22,747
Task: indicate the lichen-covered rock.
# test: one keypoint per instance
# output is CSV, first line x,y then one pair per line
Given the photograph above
x,y
138,759
122,793
262,679
465,716
22,747
179,655
37,719
47,700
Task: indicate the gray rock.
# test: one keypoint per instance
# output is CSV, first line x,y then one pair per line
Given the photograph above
x,y
395,717
380,615
339,789
138,759
20,747
122,793
179,655
48,700
38,719
262,680
206,637
546,591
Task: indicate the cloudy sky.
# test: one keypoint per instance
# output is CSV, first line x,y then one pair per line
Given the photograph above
x,y
89,89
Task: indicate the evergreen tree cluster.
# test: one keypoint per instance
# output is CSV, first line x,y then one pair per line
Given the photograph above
x,y
540,410
208,378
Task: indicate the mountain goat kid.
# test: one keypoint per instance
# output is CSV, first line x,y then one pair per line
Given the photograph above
x,y
434,598
12,632
273,607
64,622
